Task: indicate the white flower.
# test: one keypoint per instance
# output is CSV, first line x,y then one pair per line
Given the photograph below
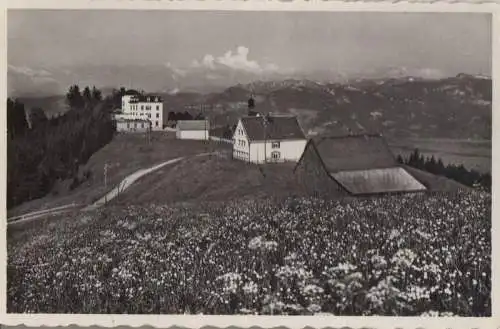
x,y
255,243
314,308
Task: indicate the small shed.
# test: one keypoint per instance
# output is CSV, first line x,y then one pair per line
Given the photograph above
x,y
193,129
353,165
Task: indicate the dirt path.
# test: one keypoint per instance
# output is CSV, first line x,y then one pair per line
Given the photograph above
x,y
124,184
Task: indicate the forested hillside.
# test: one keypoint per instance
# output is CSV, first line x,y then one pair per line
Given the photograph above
x,y
53,148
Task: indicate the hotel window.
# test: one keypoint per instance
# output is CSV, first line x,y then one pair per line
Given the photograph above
x,y
149,115
128,125
142,107
275,155
275,145
157,123
157,107
157,115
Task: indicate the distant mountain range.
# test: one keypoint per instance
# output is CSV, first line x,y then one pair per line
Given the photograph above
x,y
395,101
49,81
455,107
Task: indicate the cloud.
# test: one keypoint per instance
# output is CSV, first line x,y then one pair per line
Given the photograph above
x,y
426,73
177,71
35,75
237,60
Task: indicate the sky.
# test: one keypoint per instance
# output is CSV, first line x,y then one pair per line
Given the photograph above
x,y
449,43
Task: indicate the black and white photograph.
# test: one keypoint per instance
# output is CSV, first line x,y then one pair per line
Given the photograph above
x,y
225,162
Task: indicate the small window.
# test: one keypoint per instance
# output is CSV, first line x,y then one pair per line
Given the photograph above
x,y
149,115
135,125
157,123
275,145
157,107
128,125
157,115
275,155
142,125
142,107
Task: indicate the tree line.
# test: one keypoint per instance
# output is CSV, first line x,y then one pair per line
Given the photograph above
x,y
176,116
51,149
459,173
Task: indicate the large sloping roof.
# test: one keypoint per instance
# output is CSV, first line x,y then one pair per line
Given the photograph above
x,y
355,152
261,128
362,164
374,181
193,125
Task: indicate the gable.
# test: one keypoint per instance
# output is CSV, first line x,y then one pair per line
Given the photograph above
x,y
240,132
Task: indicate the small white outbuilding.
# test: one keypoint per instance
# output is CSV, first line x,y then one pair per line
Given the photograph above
x,y
193,129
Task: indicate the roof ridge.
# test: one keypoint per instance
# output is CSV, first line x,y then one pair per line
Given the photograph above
x,y
359,135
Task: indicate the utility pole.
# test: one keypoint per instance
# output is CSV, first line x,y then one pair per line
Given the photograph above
x,y
106,166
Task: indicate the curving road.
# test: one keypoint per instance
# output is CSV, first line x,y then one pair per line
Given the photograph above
x,y
124,184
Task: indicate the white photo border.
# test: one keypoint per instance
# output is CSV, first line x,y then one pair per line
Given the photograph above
x,y
222,321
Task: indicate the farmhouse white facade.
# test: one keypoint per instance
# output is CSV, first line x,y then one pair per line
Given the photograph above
x,y
193,129
264,139
142,107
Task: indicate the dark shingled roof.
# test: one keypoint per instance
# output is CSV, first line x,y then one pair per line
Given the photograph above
x,y
355,152
261,128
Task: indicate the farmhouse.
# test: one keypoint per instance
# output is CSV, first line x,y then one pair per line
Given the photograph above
x,y
144,107
263,139
193,129
132,125
353,165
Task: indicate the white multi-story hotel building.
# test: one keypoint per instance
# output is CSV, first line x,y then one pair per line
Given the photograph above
x,y
136,106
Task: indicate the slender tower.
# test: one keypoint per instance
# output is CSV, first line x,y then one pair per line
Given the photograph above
x,y
251,105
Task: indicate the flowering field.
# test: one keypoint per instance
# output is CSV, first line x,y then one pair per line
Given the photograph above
x,y
398,255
